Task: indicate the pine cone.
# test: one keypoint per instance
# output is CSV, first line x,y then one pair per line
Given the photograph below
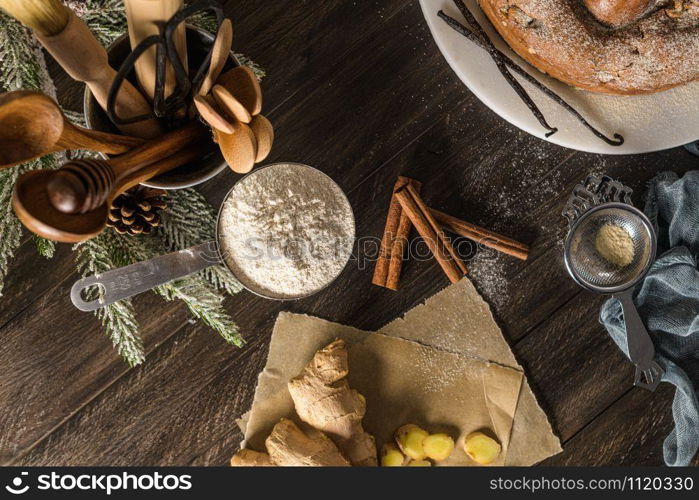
x,y
137,210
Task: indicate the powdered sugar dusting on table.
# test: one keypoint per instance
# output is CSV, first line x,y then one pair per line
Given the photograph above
x,y
286,231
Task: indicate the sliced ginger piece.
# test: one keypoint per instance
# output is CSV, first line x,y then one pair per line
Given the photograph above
x,y
410,438
391,456
438,447
481,448
419,463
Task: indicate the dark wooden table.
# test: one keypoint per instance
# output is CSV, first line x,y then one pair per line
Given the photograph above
x,y
359,90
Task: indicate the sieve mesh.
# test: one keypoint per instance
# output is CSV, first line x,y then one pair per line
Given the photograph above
x,y
593,270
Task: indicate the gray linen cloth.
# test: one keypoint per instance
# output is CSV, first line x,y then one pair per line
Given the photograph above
x,y
668,301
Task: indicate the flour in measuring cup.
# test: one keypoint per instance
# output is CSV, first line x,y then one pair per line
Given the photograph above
x,y
286,231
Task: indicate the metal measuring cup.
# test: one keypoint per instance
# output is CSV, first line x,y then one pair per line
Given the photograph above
x,y
125,282
594,204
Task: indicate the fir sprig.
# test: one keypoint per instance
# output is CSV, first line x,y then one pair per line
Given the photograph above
x,y
105,18
98,255
189,221
22,66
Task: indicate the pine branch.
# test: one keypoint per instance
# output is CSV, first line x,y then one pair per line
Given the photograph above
x,y
202,299
189,221
119,320
10,227
121,326
260,73
76,117
106,18
205,21
46,248
22,66
206,304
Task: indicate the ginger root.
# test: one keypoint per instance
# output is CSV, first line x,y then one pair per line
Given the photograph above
x,y
410,438
250,458
288,445
391,456
438,447
419,463
323,399
481,448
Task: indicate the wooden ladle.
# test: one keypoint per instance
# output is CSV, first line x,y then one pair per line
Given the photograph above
x,y
208,110
238,149
71,204
219,55
242,83
32,125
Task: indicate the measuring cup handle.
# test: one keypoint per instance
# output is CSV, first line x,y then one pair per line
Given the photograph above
x,y
128,281
640,346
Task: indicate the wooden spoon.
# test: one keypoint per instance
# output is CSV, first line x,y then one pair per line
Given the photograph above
x,y
264,133
238,149
32,125
219,55
210,113
231,105
95,184
242,83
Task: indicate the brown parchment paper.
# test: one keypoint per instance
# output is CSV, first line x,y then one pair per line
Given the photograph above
x,y
457,319
444,365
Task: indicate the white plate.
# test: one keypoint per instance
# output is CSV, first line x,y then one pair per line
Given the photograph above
x,y
648,123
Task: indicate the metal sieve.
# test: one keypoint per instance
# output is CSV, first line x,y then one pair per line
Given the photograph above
x,y
592,270
125,282
588,211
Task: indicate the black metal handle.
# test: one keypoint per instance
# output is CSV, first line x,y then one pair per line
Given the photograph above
x,y
166,52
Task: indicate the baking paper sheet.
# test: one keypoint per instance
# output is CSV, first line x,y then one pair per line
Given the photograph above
x,y
445,366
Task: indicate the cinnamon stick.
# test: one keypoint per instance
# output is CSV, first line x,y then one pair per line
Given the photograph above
x,y
394,241
481,235
434,237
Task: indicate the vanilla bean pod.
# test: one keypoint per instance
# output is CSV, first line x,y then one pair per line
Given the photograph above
x,y
516,86
480,38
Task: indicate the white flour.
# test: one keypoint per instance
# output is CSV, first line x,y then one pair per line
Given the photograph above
x,y
286,231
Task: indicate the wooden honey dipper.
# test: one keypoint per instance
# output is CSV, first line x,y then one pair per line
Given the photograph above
x,y
81,186
76,205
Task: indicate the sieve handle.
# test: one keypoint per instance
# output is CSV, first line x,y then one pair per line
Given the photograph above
x,y
128,281
640,346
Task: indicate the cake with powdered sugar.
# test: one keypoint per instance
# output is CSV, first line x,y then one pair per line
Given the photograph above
x,y
609,46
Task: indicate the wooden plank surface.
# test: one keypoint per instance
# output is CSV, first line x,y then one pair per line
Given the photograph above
x,y
360,91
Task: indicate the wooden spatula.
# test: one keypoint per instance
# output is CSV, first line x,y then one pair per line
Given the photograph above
x,y
219,55
207,108
238,149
